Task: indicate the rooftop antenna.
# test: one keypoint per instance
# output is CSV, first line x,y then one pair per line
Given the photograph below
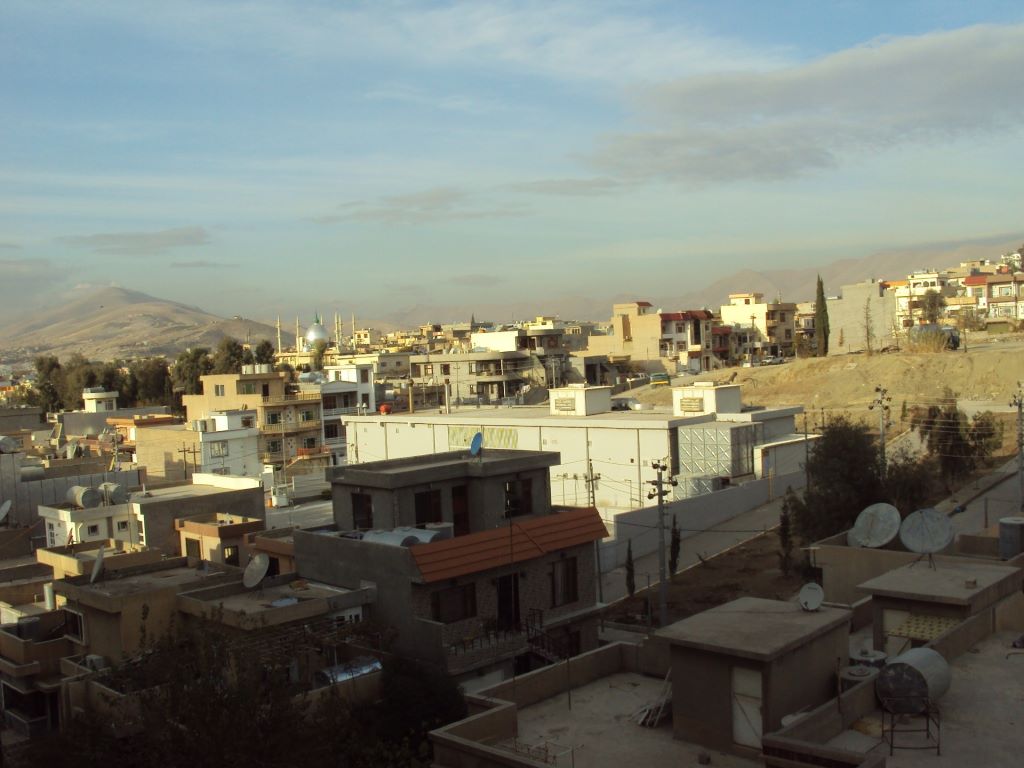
x,y
876,526
926,532
811,597
5,508
256,570
97,567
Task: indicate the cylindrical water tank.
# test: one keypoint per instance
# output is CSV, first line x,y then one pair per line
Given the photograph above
x,y
1011,537
83,497
48,598
31,472
265,368
248,370
394,538
8,444
858,673
114,493
869,657
913,679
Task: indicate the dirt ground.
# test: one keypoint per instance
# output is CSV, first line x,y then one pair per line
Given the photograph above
x,y
989,370
750,569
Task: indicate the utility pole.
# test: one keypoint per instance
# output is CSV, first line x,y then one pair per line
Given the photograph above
x,y
185,452
660,493
591,480
1018,403
881,401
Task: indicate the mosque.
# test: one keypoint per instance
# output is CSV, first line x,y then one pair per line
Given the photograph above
x,y
301,355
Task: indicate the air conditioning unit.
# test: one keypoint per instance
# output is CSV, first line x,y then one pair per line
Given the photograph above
x,y
95,662
200,425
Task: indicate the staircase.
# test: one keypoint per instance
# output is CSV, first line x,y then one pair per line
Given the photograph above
x,y
550,648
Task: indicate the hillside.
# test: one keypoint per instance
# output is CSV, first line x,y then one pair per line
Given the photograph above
x,y
116,322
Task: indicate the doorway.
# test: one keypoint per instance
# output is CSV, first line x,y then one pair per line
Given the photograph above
x,y
508,601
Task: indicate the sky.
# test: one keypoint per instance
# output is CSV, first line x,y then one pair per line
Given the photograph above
x,y
267,157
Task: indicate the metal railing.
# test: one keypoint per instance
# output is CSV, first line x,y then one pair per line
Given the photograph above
x,y
290,398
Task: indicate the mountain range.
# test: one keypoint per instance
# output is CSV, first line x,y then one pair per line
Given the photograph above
x,y
112,323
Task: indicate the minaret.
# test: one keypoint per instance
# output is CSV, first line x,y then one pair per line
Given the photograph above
x,y
298,338
279,348
337,329
353,330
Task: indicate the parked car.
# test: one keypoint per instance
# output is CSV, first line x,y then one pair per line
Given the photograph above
x,y
773,360
660,380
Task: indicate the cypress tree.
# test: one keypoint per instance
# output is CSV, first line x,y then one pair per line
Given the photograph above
x,y
821,320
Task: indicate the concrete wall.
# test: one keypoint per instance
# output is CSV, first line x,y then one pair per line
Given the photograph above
x,y
158,449
698,513
846,316
702,696
805,677
159,514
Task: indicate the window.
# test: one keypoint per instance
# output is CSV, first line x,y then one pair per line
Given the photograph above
x,y
331,432
428,507
472,389
446,369
247,388
219,449
454,604
220,470
362,511
92,530
74,625
230,555
564,582
308,416
309,443
364,375
218,390
122,525
274,417
428,370
273,446
518,497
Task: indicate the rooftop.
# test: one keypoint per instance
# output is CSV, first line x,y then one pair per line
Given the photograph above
x,y
177,492
753,628
599,727
133,582
396,473
537,415
958,583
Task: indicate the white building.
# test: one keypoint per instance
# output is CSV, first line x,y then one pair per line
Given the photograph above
x,y
592,440
229,444
74,524
910,295
349,389
98,400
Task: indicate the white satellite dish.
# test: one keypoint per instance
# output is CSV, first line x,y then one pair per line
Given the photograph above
x,y
926,531
5,508
97,567
876,526
256,570
476,444
811,596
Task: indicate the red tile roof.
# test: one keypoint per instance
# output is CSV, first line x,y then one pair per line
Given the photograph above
x,y
975,279
523,540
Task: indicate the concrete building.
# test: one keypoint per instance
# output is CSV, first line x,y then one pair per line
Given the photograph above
x,y
17,418
910,295
472,377
289,421
1004,295
678,341
734,669
215,537
69,523
80,559
848,315
222,443
771,325
482,604
98,400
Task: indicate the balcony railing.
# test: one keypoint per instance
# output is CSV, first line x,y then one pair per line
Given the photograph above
x,y
290,398
293,426
320,450
346,411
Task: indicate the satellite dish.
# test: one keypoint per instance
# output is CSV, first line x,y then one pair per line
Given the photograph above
x,y
97,567
811,596
4,509
926,531
876,526
476,444
256,570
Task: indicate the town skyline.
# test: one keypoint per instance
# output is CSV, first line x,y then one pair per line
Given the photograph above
x,y
355,157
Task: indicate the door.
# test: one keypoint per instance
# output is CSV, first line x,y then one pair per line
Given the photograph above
x,y
460,509
508,601
747,720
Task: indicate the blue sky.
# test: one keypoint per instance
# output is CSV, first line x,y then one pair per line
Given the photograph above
x,y
269,156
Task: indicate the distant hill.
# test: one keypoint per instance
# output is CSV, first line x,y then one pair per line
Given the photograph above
x,y
117,323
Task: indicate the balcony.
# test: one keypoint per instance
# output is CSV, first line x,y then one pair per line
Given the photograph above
x,y
285,399
346,411
285,427
306,453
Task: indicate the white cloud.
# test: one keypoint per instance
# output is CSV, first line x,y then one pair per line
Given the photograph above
x,y
132,243
777,124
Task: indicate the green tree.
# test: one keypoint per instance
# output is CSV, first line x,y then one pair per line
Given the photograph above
x,y
933,306
228,357
909,481
630,570
955,442
153,381
79,374
821,329
675,543
189,366
49,384
790,502
844,478
264,352
319,348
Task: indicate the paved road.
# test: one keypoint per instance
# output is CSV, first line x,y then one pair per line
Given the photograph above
x,y
308,515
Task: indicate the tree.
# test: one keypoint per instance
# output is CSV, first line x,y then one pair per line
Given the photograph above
x,y
228,356
630,570
264,352
319,348
933,306
842,339
821,329
909,481
190,365
844,478
790,502
79,374
947,434
869,330
675,542
152,381
49,383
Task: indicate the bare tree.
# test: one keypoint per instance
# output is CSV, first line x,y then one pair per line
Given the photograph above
x,y
869,330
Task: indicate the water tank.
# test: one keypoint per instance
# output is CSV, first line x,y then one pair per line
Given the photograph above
x,y
911,680
114,493
423,536
31,472
83,497
869,657
8,444
264,368
362,665
1011,537
392,538
854,675
444,530
49,600
248,370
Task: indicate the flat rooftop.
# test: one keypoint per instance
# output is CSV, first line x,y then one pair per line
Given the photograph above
x,y
981,714
949,582
121,586
256,601
395,473
536,415
177,492
601,733
753,628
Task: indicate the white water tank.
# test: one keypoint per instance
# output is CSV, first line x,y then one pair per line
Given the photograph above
x,y
1011,537
909,682
86,498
